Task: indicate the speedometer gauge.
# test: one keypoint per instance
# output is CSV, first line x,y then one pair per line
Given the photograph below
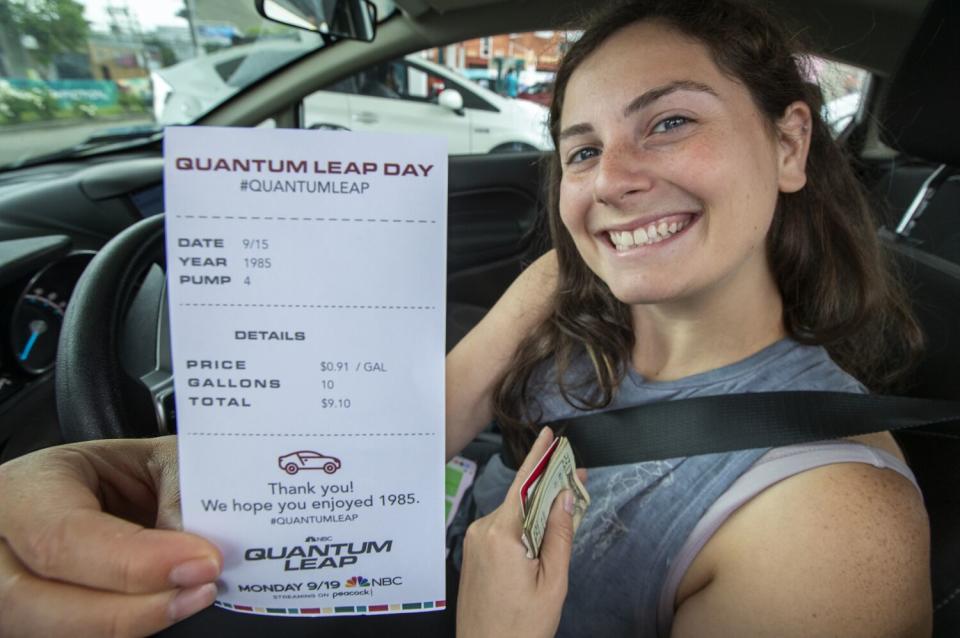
x,y
36,330
38,314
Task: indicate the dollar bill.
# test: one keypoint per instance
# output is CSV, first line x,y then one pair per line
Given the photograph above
x,y
555,472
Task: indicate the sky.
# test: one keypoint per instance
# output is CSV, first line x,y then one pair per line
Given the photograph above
x,y
151,13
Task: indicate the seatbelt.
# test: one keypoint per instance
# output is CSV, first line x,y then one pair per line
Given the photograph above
x,y
723,423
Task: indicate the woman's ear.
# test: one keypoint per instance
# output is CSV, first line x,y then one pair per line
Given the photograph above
x,y
793,139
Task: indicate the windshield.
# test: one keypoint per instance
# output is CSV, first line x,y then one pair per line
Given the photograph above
x,y
78,73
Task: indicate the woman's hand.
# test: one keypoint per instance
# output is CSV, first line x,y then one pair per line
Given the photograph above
x,y
77,554
502,592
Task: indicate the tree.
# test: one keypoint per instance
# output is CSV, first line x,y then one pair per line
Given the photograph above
x,y
13,61
58,26
167,56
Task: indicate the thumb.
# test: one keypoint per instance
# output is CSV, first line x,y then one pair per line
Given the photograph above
x,y
164,470
558,540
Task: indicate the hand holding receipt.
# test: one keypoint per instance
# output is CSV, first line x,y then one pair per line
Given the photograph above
x,y
307,292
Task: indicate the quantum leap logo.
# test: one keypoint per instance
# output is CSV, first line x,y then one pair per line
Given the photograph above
x,y
318,556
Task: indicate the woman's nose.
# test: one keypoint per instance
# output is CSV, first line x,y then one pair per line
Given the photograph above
x,y
623,172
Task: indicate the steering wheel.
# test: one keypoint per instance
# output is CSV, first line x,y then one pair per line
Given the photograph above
x,y
112,379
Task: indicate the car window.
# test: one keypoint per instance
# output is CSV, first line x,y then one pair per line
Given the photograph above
x,y
844,91
484,95
76,74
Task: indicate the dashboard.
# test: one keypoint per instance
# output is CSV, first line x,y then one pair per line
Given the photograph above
x,y
53,219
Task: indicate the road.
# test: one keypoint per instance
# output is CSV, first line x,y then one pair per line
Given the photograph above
x,y
17,143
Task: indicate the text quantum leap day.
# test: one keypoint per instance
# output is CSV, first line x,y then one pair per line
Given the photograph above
x,y
265,175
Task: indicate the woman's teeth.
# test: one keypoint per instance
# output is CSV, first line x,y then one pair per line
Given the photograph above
x,y
652,234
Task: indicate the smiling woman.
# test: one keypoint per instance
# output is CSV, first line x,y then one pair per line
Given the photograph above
x,y
711,239
726,142
719,171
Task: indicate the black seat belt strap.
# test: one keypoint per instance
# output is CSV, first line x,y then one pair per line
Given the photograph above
x,y
723,423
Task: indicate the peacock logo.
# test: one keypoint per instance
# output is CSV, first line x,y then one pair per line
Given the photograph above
x,y
357,581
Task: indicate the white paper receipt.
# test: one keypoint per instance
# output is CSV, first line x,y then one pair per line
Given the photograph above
x,y
307,274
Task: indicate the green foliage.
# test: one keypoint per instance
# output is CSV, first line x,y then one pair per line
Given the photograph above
x,y
39,105
83,111
131,102
167,56
57,25
26,106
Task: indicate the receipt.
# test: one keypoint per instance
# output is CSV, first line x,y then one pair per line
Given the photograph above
x,y
306,276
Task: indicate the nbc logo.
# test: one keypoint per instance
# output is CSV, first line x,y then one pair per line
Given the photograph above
x,y
357,581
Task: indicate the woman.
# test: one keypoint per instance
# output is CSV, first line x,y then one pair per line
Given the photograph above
x,y
710,239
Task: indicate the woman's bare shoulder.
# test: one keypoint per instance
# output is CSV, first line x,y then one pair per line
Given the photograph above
x,y
841,550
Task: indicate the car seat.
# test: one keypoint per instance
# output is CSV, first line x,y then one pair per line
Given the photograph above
x,y
919,119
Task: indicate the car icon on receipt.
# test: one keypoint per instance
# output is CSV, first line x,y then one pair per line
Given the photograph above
x,y
308,460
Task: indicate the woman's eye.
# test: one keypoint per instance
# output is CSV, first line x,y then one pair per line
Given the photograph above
x,y
582,154
670,123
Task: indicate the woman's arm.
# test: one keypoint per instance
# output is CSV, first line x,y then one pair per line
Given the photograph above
x,y
842,550
479,360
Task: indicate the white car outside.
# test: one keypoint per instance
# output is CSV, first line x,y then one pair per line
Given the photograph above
x,y
839,112
407,95
185,91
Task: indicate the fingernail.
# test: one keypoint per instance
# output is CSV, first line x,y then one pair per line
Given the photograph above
x,y
568,503
543,432
194,572
190,601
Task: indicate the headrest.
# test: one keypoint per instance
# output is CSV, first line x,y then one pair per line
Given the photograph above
x,y
921,113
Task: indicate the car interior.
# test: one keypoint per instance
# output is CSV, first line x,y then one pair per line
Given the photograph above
x,y
99,212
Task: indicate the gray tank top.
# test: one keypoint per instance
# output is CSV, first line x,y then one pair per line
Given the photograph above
x,y
647,521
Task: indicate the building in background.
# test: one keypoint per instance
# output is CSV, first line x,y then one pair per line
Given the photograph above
x,y
534,54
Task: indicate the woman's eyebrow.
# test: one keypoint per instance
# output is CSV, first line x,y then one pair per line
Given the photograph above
x,y
642,101
575,129
651,96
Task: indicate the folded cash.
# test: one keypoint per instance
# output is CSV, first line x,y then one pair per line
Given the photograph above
x,y
553,473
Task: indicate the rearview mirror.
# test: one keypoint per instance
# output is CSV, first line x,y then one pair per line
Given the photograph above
x,y
352,19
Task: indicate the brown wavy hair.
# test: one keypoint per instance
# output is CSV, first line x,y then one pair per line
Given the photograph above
x,y
838,285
